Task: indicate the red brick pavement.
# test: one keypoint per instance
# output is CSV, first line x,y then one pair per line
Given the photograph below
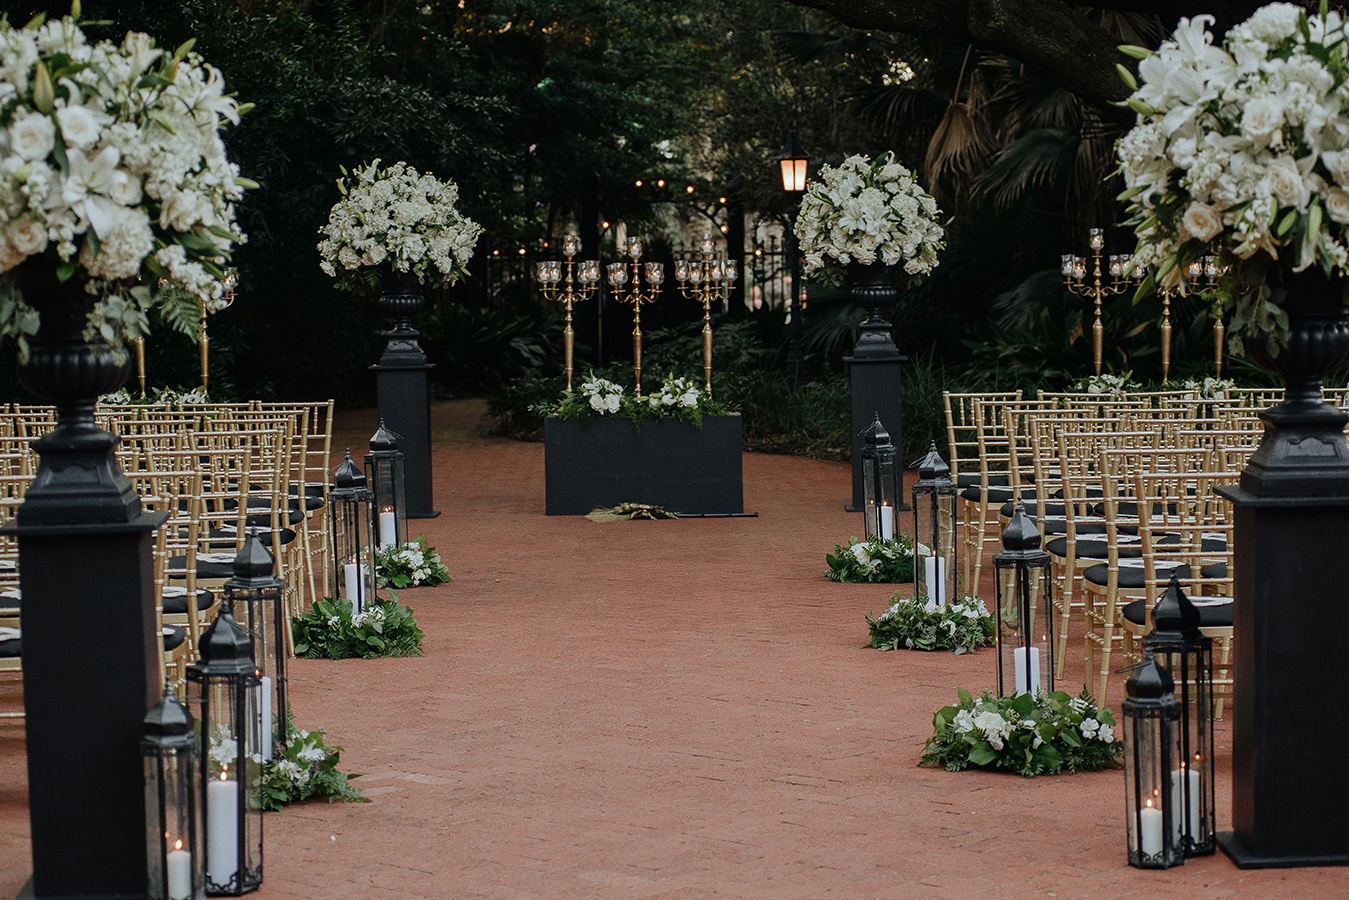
x,y
674,709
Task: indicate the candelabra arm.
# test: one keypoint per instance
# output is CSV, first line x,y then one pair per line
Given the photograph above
x,y
140,364
204,349
1166,335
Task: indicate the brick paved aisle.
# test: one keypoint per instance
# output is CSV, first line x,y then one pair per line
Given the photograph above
x,y
675,709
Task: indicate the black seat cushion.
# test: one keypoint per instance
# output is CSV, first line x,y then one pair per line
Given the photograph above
x,y
972,479
205,568
1095,546
173,637
1211,615
11,647
1214,570
1132,577
996,494
1052,510
175,600
264,520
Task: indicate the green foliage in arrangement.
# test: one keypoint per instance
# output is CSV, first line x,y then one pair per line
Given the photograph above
x,y
1027,734
680,398
412,565
918,624
308,769
330,631
876,561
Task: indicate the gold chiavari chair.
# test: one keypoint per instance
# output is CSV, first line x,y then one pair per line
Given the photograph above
x,y
962,438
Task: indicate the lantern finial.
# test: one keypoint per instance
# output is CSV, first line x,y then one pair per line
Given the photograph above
x,y
253,562
384,438
348,475
224,644
168,717
1148,680
875,433
1021,535
933,466
1174,612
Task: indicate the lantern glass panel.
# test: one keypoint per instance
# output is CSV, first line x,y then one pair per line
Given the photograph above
x,y
172,820
934,528
1191,665
353,549
231,781
386,479
1025,632
260,614
1152,803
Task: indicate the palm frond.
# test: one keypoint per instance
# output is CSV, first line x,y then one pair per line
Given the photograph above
x,y
803,47
959,144
899,105
1044,159
1139,29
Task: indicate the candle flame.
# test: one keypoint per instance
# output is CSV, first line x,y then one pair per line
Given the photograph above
x,y
1199,757
387,509
177,845
1149,803
223,770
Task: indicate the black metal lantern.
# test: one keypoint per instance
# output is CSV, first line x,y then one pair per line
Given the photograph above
x,y
384,474
880,481
173,828
793,161
231,766
1025,624
256,592
1151,760
351,524
934,528
1183,650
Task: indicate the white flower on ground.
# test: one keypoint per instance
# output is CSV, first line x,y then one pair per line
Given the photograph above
x,y
1089,728
1105,734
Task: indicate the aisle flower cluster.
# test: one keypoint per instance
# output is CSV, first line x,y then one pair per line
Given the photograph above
x,y
1244,146
678,397
412,565
868,211
331,630
1030,735
113,168
307,769
397,219
918,624
873,561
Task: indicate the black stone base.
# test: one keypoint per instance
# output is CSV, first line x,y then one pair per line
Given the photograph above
x,y
1244,858
600,463
875,392
405,406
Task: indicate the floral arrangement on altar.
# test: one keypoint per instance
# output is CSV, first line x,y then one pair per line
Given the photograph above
x,y
330,630
678,397
868,211
1107,385
919,624
875,561
165,396
412,565
1209,388
308,769
1242,148
114,174
395,219
1030,735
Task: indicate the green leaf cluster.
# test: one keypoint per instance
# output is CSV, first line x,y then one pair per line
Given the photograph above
x,y
575,404
412,565
329,630
909,623
1028,735
308,769
877,561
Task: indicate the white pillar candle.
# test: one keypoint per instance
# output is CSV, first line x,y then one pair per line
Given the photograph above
x,y
1026,678
179,866
887,522
222,830
1194,822
1150,830
388,529
265,731
934,576
353,591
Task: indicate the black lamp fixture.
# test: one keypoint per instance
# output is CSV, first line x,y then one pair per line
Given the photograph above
x,y
1151,759
256,592
384,475
1183,650
934,527
880,480
1025,629
173,827
351,525
228,691
794,162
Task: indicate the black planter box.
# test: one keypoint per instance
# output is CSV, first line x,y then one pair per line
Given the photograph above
x,y
602,462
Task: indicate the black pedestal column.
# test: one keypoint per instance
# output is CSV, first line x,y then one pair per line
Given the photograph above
x,y
1289,791
402,383
874,369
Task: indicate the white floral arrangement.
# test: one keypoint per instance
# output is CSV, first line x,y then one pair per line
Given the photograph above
x,y
113,169
868,211
603,396
165,396
1209,388
1106,385
676,392
1242,149
925,624
397,219
414,564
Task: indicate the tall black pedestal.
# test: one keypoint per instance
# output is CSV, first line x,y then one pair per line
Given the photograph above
x,y
875,392
90,674
1289,619
403,388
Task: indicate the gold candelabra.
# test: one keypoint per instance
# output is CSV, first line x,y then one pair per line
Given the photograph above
x,y
704,280
1204,274
579,282
1074,271
228,284
618,279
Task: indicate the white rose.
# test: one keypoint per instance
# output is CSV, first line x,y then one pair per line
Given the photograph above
x,y
1261,117
1285,182
79,125
1202,222
33,136
1337,205
27,235
125,189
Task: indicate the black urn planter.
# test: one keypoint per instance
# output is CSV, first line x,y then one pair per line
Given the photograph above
x,y
874,366
1304,449
402,385
401,300
873,289
78,480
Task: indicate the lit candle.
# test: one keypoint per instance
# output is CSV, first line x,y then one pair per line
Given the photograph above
x,y
1188,780
887,522
1150,829
388,529
222,830
179,865
265,729
1026,678
934,577
352,575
